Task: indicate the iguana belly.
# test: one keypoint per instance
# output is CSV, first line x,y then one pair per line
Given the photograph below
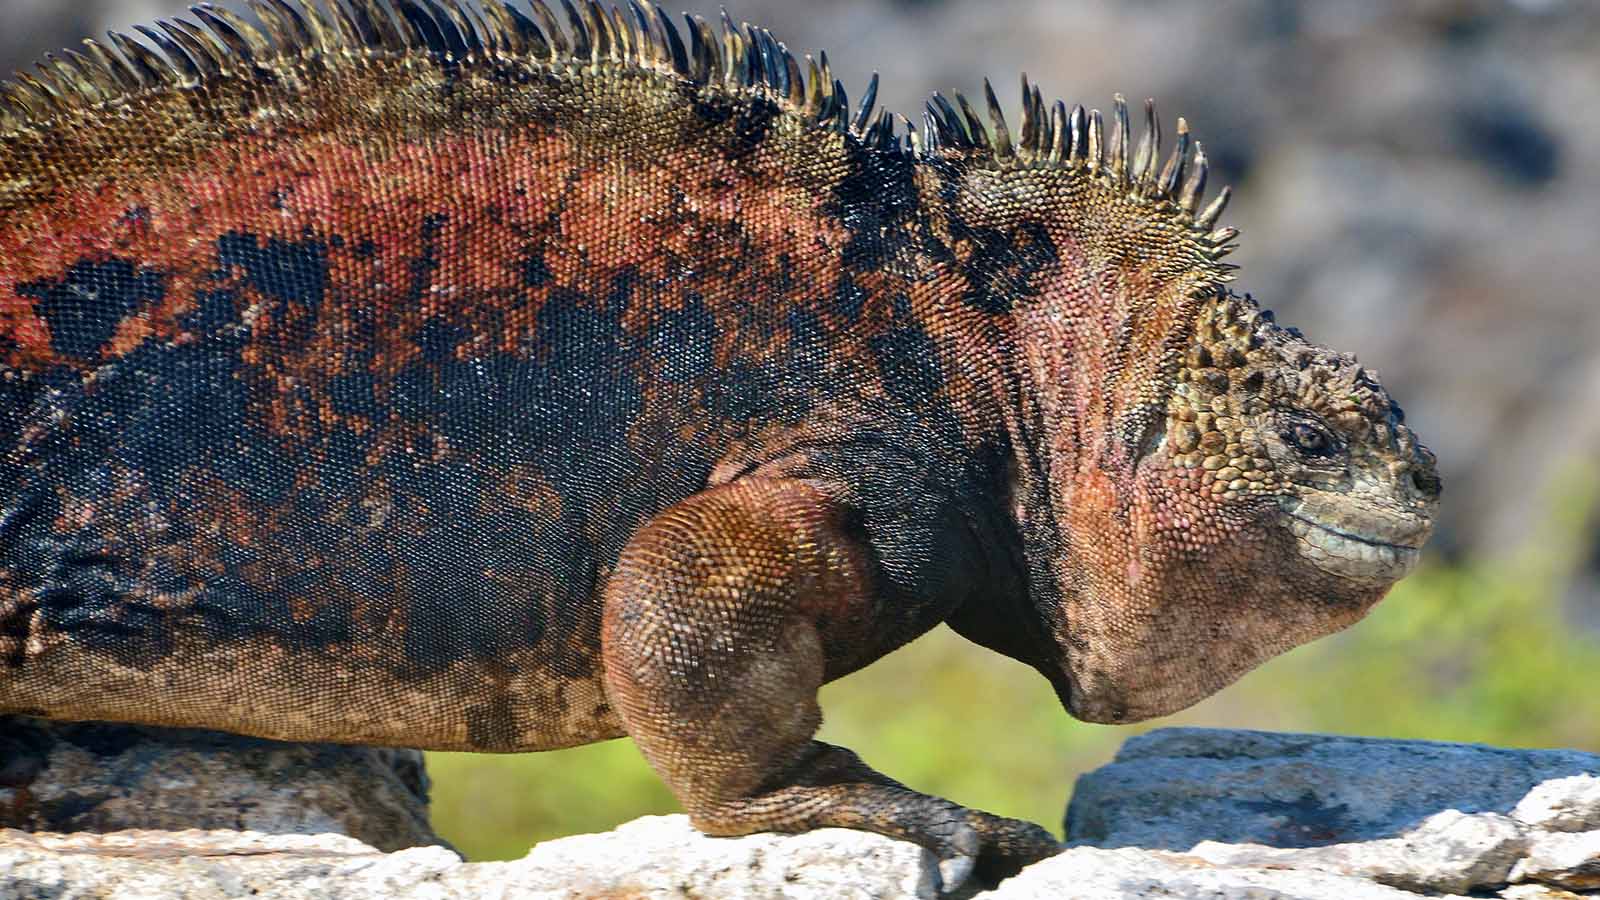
x,y
260,688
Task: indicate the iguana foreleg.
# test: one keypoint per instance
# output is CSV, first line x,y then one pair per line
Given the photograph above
x,y
725,615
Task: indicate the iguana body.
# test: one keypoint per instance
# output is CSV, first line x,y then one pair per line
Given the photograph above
x,y
448,381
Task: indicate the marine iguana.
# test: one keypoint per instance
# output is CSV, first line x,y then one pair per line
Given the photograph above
x,y
448,375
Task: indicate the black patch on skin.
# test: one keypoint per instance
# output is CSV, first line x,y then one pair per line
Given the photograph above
x,y
438,338
683,341
750,126
876,201
290,272
213,311
458,608
1004,268
85,597
158,409
742,393
710,111
492,726
422,267
809,344
84,308
355,394
908,358
848,297
535,273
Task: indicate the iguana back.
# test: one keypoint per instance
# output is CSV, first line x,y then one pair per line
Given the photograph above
x,y
337,383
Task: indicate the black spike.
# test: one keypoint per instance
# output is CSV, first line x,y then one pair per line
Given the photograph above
x,y
1028,132
732,44
1076,143
598,24
64,83
204,53
237,45
463,43
864,111
997,120
767,53
484,37
932,137
1058,132
114,65
714,50
975,129
680,57
529,32
552,29
699,50
295,14
425,32
152,70
1172,173
841,109
103,81
881,135
176,55
951,129
1040,116
622,36
582,47
372,24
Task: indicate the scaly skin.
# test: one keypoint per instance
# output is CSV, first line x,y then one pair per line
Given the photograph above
x,y
430,385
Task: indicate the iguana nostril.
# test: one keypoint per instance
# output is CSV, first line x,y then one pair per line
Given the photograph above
x,y
1425,482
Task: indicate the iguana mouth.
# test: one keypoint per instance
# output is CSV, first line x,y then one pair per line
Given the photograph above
x,y
1360,539
1365,556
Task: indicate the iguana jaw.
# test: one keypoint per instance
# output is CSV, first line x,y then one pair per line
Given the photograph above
x,y
1362,545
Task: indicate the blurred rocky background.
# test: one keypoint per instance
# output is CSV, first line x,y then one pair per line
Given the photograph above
x,y
1418,182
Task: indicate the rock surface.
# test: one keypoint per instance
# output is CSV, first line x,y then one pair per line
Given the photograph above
x,y
656,856
1175,787
92,776
1413,819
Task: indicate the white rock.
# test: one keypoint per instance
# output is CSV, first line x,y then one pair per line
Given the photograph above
x,y
1568,860
653,857
1450,852
1562,804
1089,873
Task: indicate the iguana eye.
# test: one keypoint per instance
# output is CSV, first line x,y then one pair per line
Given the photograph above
x,y
1310,439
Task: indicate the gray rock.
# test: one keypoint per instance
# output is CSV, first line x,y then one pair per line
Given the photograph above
x,y
1562,859
85,776
1175,787
1450,852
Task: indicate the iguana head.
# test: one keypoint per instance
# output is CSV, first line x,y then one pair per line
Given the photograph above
x,y
1198,488
1280,496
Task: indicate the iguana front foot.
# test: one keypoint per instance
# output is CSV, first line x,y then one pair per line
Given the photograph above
x,y
725,615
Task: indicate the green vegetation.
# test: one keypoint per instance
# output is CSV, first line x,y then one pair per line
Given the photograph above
x,y
1476,652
